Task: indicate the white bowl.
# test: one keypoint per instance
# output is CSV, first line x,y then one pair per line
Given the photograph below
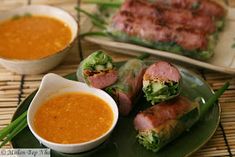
x,y
52,85
44,64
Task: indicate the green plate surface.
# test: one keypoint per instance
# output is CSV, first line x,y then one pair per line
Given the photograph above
x,y
123,143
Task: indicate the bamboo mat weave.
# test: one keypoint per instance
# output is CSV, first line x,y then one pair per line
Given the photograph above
x,y
14,88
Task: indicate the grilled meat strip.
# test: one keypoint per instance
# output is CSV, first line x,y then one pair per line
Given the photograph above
x,y
203,7
157,115
150,29
101,79
170,15
162,71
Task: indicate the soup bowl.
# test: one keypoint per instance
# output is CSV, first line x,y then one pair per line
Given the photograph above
x,y
37,66
53,85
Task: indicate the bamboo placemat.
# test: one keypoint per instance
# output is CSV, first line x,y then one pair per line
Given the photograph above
x,y
14,88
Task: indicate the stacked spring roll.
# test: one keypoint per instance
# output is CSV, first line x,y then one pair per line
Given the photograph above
x,y
97,70
165,26
171,114
128,86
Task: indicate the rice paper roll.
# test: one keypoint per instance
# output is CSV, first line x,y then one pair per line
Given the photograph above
x,y
161,82
128,86
160,124
128,27
97,70
169,29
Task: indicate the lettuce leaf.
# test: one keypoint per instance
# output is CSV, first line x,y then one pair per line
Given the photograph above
x,y
156,92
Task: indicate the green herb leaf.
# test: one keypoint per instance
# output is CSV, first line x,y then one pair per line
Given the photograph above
x,y
209,103
107,3
233,45
15,17
27,15
195,5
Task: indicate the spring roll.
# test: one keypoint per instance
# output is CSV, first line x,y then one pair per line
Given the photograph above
x,y
162,123
161,82
173,28
97,70
129,84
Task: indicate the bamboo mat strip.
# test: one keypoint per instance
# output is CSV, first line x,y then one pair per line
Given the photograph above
x,y
225,139
226,101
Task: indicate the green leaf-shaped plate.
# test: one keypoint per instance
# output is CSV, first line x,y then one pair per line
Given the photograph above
x,y
122,142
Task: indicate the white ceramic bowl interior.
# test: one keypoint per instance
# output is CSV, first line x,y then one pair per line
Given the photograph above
x,y
47,63
52,85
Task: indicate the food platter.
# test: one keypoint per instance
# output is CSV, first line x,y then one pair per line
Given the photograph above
x,y
222,60
122,141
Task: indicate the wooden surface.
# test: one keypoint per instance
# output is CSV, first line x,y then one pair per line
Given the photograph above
x,y
14,88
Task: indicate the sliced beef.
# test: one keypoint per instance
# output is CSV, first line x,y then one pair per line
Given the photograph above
x,y
162,71
103,79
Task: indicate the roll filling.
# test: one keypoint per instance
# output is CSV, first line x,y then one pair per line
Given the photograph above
x,y
97,70
129,85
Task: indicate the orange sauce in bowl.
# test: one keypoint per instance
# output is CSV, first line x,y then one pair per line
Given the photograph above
x,y
33,37
73,118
